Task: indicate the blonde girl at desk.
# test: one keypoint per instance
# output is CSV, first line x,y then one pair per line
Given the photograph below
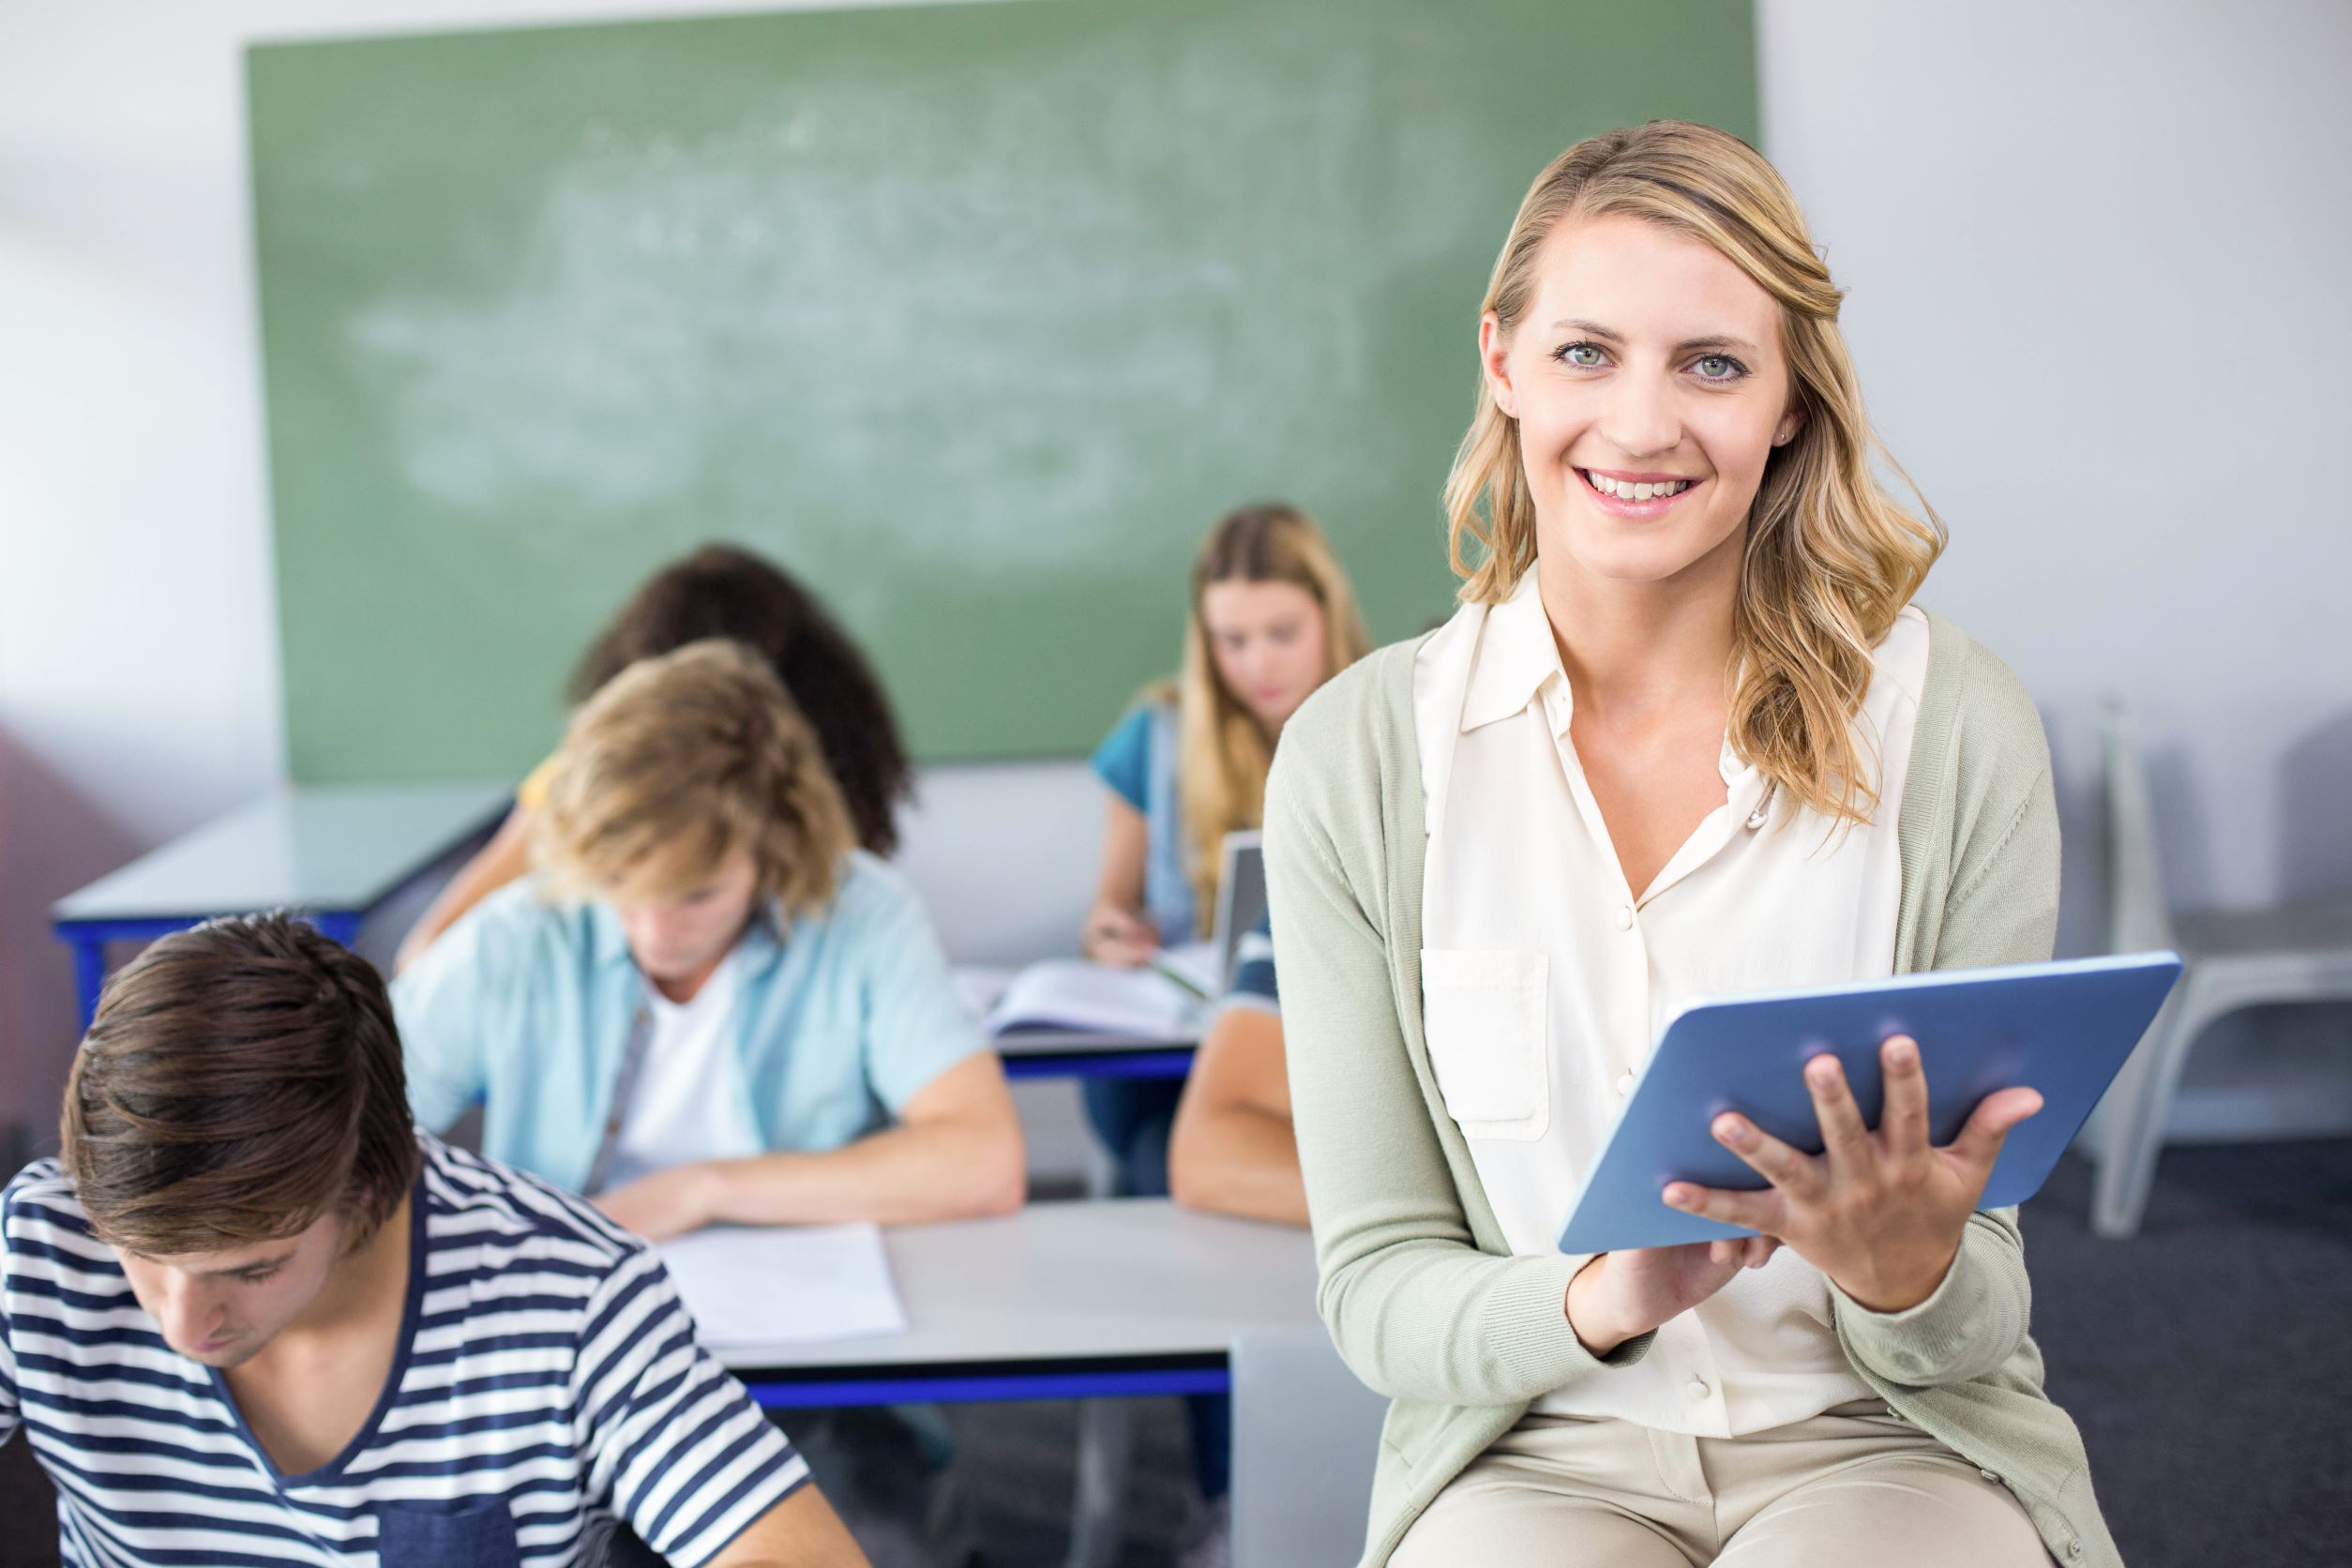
x,y
1687,733
1272,617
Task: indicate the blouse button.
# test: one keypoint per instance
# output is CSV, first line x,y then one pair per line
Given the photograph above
x,y
1625,917
1625,1081
1698,1389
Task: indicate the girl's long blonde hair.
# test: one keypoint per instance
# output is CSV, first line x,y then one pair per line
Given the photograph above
x,y
1221,753
1830,558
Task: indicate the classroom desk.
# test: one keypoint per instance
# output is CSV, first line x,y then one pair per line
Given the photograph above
x,y
336,851
1097,1300
1036,1053
1089,1299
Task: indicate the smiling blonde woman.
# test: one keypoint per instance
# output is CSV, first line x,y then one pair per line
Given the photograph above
x,y
1687,733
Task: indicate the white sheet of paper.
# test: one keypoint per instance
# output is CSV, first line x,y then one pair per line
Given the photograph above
x,y
786,1284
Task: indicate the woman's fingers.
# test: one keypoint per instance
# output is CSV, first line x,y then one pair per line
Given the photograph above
x,y
1746,1252
1902,1118
1789,1169
1843,1134
1750,1210
1980,1142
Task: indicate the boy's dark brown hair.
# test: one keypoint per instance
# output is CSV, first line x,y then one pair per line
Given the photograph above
x,y
241,1080
725,591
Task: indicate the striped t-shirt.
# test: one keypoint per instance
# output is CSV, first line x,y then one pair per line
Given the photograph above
x,y
547,1377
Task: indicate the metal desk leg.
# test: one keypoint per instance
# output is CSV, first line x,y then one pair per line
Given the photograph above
x,y
1098,1511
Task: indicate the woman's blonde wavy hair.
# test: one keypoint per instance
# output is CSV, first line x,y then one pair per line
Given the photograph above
x,y
676,763
1830,558
1222,752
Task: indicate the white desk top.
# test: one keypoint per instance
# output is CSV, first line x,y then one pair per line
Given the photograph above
x,y
335,847
1071,1280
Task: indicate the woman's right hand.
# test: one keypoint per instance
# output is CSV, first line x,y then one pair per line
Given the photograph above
x,y
1622,1295
1118,936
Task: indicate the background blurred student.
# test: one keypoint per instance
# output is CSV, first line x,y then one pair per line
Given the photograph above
x,y
720,591
1232,1150
710,1006
238,1240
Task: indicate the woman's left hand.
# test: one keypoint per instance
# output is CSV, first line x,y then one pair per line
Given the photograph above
x,y
1880,1213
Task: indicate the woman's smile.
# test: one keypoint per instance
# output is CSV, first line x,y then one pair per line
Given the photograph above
x,y
1636,495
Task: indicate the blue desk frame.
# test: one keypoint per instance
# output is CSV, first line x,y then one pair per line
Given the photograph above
x,y
1173,1061
989,1382
88,940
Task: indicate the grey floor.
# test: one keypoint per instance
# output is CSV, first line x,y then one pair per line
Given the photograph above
x,y
2209,1360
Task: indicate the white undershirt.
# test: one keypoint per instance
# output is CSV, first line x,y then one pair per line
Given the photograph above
x,y
1545,980
688,1102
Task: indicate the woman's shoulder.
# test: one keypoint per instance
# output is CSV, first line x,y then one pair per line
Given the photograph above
x,y
1978,725
1980,687
1362,701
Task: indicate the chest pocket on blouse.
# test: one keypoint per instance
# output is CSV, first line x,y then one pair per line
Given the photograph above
x,y
478,1532
1482,1013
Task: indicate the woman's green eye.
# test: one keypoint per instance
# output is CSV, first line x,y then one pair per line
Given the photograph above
x,y
1716,367
1583,356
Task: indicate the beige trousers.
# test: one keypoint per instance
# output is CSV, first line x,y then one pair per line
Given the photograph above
x,y
1853,1488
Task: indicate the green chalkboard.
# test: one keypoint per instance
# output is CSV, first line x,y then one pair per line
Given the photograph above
x,y
973,315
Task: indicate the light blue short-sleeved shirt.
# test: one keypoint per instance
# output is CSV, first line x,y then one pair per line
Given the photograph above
x,y
526,1007
1137,762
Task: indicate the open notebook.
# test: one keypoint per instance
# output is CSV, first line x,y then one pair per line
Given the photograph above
x,y
1169,998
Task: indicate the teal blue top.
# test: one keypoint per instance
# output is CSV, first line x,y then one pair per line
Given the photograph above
x,y
1137,762
526,1005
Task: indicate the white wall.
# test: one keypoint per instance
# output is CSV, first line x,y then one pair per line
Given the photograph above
x,y
2094,257
2094,254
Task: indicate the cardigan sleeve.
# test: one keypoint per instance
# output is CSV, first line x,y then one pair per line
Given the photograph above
x,y
1416,1310
2000,906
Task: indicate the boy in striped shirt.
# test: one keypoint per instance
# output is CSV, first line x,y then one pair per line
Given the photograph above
x,y
253,1317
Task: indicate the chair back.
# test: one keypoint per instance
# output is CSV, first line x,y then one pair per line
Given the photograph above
x,y
1306,1436
2138,919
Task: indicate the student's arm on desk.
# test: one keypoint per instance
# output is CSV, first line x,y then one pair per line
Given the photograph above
x,y
955,1153
1232,1151
506,857
802,1532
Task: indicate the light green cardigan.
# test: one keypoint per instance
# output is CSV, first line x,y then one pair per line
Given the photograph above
x,y
1418,1286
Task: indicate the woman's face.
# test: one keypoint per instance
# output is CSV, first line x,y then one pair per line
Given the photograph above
x,y
1650,388
1266,640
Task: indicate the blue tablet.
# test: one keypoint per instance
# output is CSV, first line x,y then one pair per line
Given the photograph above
x,y
2063,1029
